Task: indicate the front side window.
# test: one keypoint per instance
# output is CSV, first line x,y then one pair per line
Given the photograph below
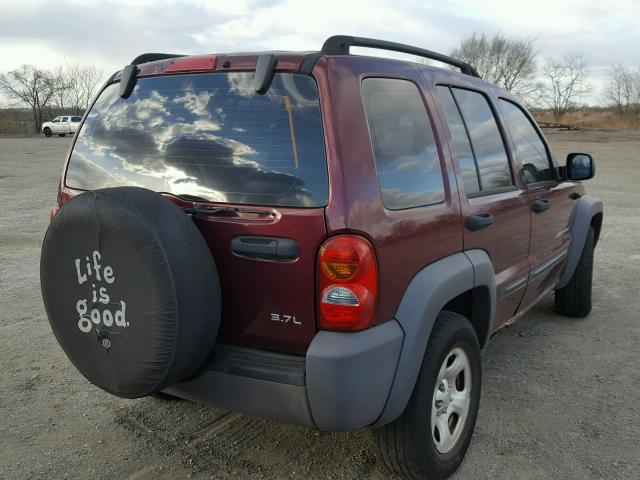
x,y
530,148
209,136
65,119
403,144
488,146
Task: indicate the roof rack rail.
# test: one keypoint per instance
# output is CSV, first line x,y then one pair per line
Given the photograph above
x,y
152,57
340,44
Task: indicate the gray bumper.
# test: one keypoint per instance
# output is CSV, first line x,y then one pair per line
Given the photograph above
x,y
342,384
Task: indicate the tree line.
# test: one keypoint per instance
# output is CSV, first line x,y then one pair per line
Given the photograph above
x,y
66,89
554,84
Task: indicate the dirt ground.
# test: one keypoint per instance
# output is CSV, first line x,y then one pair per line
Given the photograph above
x,y
561,397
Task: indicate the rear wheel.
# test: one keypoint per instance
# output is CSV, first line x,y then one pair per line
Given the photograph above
x,y
62,134
431,437
574,299
47,132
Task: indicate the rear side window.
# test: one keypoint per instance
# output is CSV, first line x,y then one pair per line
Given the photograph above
x,y
530,149
490,153
209,137
461,142
404,147
75,119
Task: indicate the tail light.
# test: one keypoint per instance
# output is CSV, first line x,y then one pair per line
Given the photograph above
x,y
347,283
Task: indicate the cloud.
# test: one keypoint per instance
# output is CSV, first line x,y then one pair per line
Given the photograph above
x,y
196,103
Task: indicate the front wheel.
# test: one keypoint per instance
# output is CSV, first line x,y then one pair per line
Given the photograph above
x,y
574,299
47,132
430,438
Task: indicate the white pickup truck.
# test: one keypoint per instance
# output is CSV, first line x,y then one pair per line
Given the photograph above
x,y
61,125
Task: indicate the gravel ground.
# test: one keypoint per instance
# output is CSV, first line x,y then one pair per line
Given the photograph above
x,y
561,397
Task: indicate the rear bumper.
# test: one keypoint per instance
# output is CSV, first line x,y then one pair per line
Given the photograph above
x,y
341,384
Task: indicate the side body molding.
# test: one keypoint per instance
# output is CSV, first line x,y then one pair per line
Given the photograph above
x,y
583,213
429,291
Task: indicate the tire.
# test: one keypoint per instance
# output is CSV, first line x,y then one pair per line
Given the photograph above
x,y
574,299
130,289
61,134
47,132
409,446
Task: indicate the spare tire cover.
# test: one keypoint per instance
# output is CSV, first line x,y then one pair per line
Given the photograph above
x,y
131,290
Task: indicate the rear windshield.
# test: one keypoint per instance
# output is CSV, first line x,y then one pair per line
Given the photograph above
x,y
208,136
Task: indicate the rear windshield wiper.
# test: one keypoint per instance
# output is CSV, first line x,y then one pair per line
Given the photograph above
x,y
203,209
199,209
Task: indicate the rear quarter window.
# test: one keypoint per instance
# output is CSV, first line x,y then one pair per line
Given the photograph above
x,y
403,144
208,136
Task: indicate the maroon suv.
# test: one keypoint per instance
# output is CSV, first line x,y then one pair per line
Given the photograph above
x,y
321,238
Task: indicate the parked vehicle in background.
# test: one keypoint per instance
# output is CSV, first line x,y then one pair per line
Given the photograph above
x,y
61,125
220,237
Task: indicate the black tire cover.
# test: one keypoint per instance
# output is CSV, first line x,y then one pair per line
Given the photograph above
x,y
131,290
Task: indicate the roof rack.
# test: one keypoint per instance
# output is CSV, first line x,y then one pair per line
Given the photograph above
x,y
340,44
152,57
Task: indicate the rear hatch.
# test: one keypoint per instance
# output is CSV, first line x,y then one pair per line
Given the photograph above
x,y
208,140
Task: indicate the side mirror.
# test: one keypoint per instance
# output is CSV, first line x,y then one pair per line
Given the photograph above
x,y
580,166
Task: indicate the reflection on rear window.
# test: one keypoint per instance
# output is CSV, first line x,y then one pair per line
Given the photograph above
x,y
209,136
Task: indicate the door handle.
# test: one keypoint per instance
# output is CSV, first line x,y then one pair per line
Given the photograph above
x,y
265,248
479,221
541,205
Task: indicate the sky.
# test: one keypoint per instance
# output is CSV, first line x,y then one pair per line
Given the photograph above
x,y
109,34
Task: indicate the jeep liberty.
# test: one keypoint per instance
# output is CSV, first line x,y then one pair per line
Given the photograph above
x,y
321,238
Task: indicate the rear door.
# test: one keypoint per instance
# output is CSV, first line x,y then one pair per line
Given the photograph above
x,y
495,207
550,201
65,125
208,140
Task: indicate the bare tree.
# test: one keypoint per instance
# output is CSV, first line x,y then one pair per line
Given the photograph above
x,y
31,86
565,80
623,90
508,62
77,85
84,80
61,95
